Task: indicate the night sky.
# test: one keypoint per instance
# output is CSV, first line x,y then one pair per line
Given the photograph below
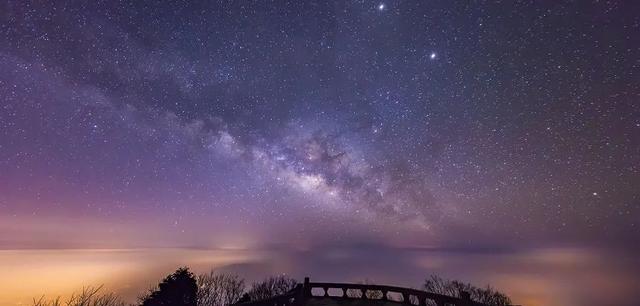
x,y
475,127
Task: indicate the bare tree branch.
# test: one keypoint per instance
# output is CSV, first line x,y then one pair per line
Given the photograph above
x,y
488,295
270,287
219,289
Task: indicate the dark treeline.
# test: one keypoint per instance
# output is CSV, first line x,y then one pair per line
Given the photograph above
x,y
183,288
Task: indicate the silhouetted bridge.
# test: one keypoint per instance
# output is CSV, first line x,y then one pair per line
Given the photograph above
x,y
321,294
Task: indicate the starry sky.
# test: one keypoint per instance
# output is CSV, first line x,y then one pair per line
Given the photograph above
x,y
309,125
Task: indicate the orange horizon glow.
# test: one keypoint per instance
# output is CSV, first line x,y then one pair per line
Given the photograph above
x,y
535,278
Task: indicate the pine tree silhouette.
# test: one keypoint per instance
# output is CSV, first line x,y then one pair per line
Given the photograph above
x,y
177,289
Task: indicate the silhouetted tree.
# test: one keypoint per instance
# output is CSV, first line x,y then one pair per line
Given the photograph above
x,y
219,289
487,295
89,296
270,287
177,289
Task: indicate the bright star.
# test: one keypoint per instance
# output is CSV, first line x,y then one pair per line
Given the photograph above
x,y
432,55
381,6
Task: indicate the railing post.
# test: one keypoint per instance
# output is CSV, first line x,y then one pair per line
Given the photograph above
x,y
306,288
422,300
466,298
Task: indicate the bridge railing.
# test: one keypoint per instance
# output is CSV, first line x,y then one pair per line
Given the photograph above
x,y
401,295
342,291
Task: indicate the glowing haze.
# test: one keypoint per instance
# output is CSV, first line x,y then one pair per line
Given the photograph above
x,y
322,137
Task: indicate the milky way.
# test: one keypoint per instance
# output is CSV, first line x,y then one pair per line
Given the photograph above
x,y
486,125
